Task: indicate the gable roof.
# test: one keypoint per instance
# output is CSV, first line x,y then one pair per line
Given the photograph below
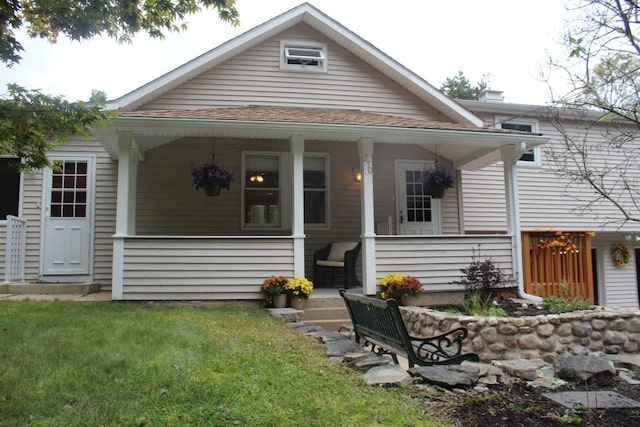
x,y
304,13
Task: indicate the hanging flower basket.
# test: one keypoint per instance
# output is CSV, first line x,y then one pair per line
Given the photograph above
x,y
212,178
437,179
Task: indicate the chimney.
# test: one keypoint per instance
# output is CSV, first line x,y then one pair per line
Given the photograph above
x,y
489,95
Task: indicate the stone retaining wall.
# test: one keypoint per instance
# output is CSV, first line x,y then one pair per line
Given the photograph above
x,y
612,331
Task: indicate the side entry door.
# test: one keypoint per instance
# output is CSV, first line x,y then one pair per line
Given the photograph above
x,y
67,225
417,213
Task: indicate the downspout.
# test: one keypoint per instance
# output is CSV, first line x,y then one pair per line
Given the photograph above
x,y
510,155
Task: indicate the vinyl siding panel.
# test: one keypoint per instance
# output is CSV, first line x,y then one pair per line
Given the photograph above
x,y
208,268
436,261
254,78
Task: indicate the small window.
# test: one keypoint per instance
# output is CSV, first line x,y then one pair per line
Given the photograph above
x,y
9,187
531,156
303,56
315,191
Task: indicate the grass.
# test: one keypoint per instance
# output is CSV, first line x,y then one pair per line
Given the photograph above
x,y
120,364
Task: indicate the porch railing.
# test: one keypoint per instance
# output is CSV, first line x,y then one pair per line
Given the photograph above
x,y
15,249
437,260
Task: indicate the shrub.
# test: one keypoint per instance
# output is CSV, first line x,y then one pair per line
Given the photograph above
x,y
483,276
556,304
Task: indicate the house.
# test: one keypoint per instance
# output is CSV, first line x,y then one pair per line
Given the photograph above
x,y
552,207
305,104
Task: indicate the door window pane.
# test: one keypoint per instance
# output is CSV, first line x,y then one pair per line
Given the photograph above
x,y
9,187
262,202
68,190
315,189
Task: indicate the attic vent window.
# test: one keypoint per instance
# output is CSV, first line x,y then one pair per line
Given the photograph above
x,y
303,56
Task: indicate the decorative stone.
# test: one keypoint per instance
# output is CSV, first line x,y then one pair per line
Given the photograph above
x,y
547,345
545,330
490,335
618,325
388,375
630,347
633,325
613,337
580,329
529,369
498,347
598,324
583,367
528,342
564,329
448,376
507,329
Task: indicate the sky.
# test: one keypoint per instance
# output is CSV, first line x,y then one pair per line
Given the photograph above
x,y
507,40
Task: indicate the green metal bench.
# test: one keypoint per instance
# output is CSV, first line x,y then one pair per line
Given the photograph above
x,y
379,323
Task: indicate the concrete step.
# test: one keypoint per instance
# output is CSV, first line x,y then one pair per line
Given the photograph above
x,y
330,313
49,288
331,325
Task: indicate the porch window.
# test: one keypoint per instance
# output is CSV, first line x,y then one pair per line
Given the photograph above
x,y
9,187
532,156
315,190
262,190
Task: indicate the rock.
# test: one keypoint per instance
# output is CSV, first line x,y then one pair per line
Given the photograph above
x,y
390,375
583,367
447,376
528,369
370,361
342,347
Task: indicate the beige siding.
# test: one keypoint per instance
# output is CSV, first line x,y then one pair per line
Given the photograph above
x,y
437,261
546,200
196,269
254,78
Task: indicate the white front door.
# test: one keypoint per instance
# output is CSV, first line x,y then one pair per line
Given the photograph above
x,y
68,201
417,213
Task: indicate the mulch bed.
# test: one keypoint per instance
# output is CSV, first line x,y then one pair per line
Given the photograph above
x,y
522,405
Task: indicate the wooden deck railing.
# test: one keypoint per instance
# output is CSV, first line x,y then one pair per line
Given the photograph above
x,y
558,263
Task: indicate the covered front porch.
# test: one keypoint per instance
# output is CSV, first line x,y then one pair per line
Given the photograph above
x,y
174,243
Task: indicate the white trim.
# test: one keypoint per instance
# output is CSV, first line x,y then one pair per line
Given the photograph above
x,y
534,124
320,48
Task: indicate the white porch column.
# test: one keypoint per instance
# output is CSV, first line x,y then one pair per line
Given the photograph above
x,y
297,226
510,155
125,209
365,152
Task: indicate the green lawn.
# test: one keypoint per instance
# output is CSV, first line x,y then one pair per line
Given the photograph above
x,y
121,364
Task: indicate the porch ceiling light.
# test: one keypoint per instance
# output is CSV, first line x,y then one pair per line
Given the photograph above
x,y
357,175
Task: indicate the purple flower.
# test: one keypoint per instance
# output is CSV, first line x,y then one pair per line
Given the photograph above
x,y
438,176
211,173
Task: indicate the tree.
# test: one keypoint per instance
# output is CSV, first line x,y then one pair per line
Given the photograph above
x,y
459,87
84,19
603,69
31,123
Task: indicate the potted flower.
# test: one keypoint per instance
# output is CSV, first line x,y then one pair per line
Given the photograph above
x,y
274,288
399,287
299,290
212,178
437,179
